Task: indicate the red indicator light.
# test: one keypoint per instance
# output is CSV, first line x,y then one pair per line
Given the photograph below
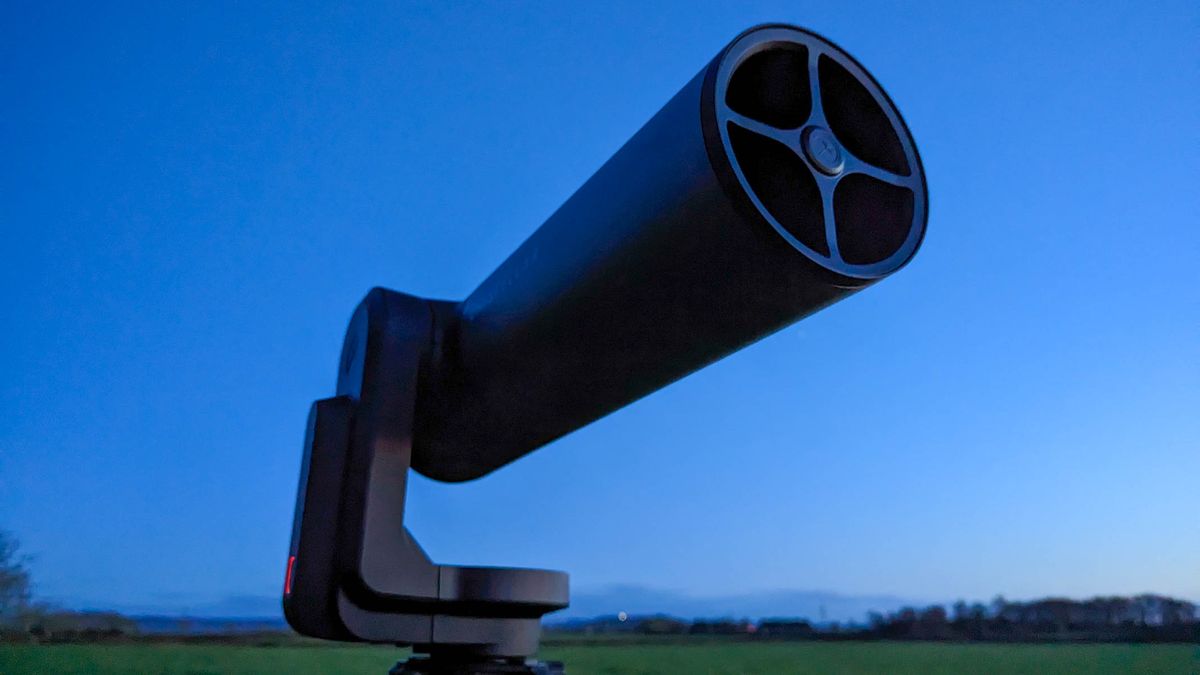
x,y
287,582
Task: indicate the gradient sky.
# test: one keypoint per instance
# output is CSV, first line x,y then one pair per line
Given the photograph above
x,y
195,195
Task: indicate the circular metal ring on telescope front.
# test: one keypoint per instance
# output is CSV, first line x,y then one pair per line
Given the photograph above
x,y
820,151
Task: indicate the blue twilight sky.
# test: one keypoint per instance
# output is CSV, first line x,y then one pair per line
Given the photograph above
x,y
195,195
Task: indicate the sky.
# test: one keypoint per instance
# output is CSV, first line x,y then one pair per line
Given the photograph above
x,y
196,195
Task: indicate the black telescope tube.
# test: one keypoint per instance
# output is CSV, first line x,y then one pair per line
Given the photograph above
x,y
779,180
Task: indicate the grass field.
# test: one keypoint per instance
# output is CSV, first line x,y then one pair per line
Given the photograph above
x,y
688,657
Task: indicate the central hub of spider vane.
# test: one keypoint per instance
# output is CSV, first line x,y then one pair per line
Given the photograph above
x,y
823,150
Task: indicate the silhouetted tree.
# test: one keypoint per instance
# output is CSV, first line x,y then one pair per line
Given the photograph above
x,y
933,615
999,604
961,611
14,579
876,620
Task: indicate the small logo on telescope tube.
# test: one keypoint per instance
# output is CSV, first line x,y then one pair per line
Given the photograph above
x,y
823,150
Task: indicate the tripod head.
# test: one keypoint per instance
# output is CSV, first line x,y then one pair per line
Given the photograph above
x,y
778,181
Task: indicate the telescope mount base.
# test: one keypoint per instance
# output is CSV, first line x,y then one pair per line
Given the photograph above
x,y
451,664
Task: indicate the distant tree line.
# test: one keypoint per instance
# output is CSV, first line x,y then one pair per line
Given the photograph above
x,y
1142,618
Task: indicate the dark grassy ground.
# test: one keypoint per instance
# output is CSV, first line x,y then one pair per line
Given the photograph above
x,y
685,657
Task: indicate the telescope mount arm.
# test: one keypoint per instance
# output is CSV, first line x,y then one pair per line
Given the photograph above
x,y
385,589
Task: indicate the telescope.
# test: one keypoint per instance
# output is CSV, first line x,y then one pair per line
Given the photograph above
x,y
779,180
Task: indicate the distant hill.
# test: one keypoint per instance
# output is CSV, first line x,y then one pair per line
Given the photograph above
x,y
229,607
816,606
178,625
